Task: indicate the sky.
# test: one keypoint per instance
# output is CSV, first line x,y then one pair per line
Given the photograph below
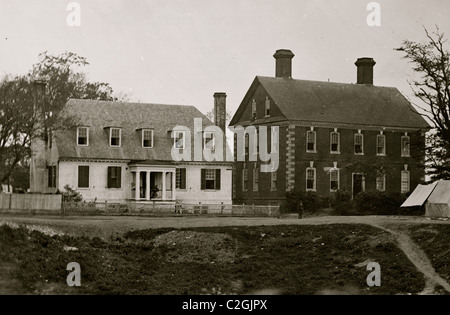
x,y
183,51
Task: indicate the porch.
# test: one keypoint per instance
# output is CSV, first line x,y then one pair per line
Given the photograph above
x,y
153,183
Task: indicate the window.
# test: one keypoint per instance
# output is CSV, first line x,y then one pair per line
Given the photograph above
x,y
359,144
381,182
267,113
208,140
255,177
181,178
179,140
311,141
210,179
115,137
52,176
246,140
335,145
83,136
83,176
310,179
244,178
147,138
114,176
405,182
334,180
253,110
255,143
381,145
405,146
274,139
273,181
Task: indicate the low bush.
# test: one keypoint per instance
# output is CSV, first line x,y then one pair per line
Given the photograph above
x,y
379,203
342,203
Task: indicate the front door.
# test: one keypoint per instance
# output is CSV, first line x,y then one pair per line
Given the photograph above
x,y
358,184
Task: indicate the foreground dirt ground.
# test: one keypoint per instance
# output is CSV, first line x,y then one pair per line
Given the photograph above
x,y
109,228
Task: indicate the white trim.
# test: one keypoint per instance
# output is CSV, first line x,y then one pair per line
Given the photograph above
x,y
315,179
381,135
315,141
338,142
213,140
142,135
120,137
403,154
338,179
408,181
176,133
359,134
87,137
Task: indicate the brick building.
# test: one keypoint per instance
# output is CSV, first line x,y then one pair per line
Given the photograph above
x,y
332,136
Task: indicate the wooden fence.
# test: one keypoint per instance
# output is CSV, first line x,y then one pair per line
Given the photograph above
x,y
30,203
105,208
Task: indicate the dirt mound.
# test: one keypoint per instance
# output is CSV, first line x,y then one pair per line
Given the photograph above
x,y
191,246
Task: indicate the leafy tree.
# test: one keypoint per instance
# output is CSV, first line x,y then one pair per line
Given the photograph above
x,y
29,110
431,61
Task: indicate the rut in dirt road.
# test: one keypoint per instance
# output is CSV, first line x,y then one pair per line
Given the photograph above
x,y
419,259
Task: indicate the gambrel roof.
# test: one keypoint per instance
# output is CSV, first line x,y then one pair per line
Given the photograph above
x,y
99,116
330,102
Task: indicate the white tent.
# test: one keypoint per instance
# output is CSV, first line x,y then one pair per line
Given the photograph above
x,y
436,198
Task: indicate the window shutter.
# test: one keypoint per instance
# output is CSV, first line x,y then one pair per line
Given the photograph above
x,y
217,179
109,176
119,177
183,178
203,179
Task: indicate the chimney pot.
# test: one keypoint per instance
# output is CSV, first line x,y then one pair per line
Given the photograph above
x,y
365,70
283,63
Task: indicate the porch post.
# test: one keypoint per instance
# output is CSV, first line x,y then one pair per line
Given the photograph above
x,y
163,186
174,184
147,189
137,193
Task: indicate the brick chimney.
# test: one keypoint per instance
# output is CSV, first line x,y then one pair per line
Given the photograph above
x,y
365,70
220,110
283,64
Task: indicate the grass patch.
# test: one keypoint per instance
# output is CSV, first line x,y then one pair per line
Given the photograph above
x,y
217,260
434,241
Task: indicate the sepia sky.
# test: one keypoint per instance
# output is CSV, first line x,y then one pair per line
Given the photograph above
x,y
182,51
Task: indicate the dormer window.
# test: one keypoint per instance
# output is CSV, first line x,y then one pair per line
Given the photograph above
x,y
209,140
83,136
179,142
115,135
147,138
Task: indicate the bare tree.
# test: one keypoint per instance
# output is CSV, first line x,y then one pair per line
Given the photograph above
x,y
431,60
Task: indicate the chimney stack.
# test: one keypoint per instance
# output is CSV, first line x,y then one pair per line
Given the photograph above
x,y
220,110
365,70
283,64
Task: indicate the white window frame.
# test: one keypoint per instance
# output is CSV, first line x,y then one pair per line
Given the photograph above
x,y
143,138
314,179
379,136
110,137
176,134
408,181
213,139
338,142
314,133
405,153
338,179
358,135
87,137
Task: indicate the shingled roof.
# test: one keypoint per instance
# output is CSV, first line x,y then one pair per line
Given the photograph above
x,y
131,117
343,103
